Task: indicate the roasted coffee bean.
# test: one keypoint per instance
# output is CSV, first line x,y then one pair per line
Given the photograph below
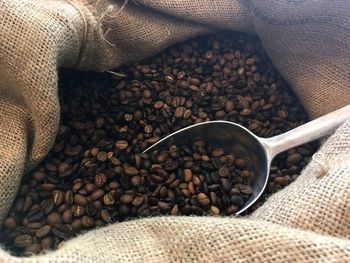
x,y
10,223
131,171
231,209
78,211
68,197
97,194
32,249
91,209
126,198
28,201
58,197
43,231
100,179
108,199
294,158
47,205
102,156
35,214
203,199
67,216
138,201
136,180
23,240
121,144
175,210
54,218
76,224
46,243
187,175
224,172
105,216
80,200
236,200
215,210
87,221
246,189
61,231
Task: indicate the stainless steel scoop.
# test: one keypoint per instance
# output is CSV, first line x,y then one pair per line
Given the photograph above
x,y
234,138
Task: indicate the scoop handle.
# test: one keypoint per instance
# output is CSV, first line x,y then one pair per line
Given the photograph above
x,y
308,132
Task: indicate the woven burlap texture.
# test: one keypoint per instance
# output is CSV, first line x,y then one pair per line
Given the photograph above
x,y
309,43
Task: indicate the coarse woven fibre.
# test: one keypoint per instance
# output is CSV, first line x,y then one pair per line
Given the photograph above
x,y
309,43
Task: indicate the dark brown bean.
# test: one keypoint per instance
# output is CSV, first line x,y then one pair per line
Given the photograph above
x,y
23,240
80,200
43,231
203,199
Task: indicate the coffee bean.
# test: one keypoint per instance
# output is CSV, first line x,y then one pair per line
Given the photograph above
x,y
68,197
236,200
131,171
102,156
100,179
126,198
43,231
54,218
76,224
175,210
163,205
58,197
136,180
27,203
282,180
294,158
91,209
87,221
121,144
231,210
246,189
38,176
240,163
215,210
78,211
32,249
203,199
138,201
105,216
10,223
158,104
217,152
226,185
97,194
80,200
46,243
47,205
187,175
23,240
224,172
61,231
124,210
35,214
108,199
67,216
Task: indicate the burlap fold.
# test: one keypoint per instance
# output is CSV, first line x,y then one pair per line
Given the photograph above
x,y
308,41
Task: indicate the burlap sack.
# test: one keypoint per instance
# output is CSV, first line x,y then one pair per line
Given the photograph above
x,y
308,41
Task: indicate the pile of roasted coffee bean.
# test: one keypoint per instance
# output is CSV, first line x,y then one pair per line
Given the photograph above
x,y
96,173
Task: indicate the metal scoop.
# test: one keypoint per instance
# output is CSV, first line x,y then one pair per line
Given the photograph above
x,y
234,138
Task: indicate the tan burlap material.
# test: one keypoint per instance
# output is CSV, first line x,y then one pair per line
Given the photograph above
x,y
308,41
